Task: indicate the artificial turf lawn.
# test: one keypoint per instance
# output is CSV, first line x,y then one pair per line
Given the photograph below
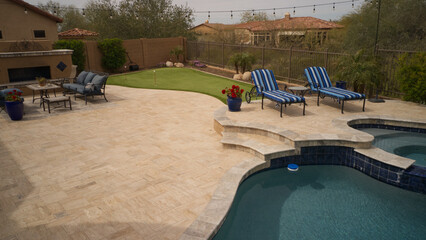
x,y
183,79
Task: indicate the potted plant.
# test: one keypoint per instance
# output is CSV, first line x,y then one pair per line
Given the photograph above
x,y
234,97
14,104
41,81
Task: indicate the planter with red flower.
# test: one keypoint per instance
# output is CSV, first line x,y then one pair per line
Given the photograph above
x,y
14,103
234,97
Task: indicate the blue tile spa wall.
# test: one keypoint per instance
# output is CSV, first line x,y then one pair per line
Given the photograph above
x,y
413,178
382,126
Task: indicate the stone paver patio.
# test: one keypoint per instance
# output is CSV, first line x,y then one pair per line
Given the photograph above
x,y
142,166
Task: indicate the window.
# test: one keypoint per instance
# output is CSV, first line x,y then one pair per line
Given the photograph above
x,y
260,37
39,34
1,35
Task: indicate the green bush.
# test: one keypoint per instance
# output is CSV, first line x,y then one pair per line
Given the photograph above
x,y
243,61
78,57
113,53
411,75
177,51
362,71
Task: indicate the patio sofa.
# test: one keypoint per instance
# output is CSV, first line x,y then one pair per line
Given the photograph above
x,y
87,84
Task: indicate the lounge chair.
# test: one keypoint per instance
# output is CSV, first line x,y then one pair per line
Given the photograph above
x,y
320,82
267,86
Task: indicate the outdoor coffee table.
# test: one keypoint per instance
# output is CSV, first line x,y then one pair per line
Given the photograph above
x,y
43,90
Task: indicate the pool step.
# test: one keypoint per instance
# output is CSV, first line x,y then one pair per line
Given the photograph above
x,y
262,147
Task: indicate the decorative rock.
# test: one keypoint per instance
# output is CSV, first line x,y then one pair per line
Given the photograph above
x,y
247,76
169,64
179,65
238,76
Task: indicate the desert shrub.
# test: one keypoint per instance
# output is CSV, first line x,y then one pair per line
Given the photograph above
x,y
411,75
113,53
78,56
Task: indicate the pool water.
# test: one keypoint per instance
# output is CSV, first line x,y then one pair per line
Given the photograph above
x,y
323,202
404,144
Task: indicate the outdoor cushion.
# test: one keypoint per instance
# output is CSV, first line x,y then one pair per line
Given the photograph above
x,y
81,77
75,87
341,93
264,80
98,81
89,78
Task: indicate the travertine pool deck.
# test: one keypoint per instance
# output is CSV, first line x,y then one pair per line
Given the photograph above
x,y
142,166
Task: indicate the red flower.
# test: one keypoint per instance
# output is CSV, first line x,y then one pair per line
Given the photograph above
x,y
14,97
10,93
233,91
19,93
14,90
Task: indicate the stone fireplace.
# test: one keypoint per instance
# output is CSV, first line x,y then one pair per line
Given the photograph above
x,y
26,66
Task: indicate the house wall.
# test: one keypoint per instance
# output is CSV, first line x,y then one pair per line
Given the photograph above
x,y
16,25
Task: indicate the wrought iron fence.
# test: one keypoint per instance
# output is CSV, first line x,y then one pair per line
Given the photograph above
x,y
288,64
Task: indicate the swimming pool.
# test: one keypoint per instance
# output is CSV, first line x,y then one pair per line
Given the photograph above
x,y
323,202
402,143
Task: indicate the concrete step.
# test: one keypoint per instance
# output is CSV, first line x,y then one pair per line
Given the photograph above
x,y
263,147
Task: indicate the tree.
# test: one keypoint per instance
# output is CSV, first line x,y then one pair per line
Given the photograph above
x,y
72,18
402,25
139,18
248,16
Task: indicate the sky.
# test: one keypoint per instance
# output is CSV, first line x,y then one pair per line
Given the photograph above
x,y
323,12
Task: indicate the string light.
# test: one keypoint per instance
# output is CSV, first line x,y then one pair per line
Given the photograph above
x,y
25,11
239,10
137,17
231,15
54,10
110,14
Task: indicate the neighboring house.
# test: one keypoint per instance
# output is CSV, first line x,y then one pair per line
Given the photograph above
x,y
20,21
78,34
287,29
214,31
27,34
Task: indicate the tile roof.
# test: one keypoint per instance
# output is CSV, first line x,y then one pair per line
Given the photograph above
x,y
76,32
290,23
37,10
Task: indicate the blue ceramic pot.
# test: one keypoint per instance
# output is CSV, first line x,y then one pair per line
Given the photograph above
x,y
234,104
15,110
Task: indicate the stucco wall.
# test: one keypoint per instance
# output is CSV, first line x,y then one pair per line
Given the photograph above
x,y
16,25
143,52
7,62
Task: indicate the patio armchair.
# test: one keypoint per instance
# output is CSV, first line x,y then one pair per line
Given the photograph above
x,y
319,81
267,86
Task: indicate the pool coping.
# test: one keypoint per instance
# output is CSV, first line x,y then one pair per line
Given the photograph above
x,y
211,219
